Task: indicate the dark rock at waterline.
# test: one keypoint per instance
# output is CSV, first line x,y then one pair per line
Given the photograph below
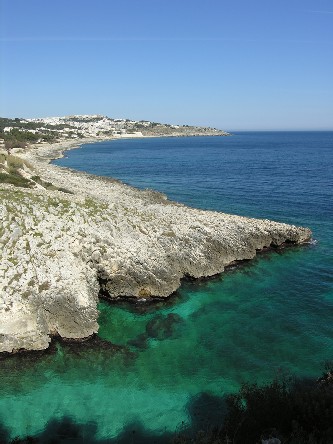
x,y
71,346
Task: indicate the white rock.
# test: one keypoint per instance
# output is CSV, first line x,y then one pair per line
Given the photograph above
x,y
138,242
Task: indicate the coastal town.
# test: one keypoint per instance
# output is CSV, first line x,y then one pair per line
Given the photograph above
x,y
16,132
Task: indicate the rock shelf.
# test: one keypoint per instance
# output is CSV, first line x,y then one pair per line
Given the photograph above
x,y
58,249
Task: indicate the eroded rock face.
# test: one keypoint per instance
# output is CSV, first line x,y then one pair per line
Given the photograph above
x,y
57,247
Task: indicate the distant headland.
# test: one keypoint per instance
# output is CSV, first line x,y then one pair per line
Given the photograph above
x,y
20,131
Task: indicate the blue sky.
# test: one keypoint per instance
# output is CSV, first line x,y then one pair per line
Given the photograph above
x,y
235,65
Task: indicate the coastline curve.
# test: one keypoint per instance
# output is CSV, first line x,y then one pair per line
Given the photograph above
x,y
60,250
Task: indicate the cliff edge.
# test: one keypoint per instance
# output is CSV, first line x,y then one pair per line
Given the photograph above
x,y
59,248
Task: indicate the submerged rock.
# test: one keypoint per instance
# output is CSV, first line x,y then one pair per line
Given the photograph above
x,y
139,342
58,249
163,327
160,327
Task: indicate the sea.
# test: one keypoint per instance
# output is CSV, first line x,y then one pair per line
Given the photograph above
x,y
173,363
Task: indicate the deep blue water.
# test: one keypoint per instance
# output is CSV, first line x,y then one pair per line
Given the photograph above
x,y
272,315
283,175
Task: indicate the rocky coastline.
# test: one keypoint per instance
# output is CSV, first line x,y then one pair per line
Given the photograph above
x,y
61,249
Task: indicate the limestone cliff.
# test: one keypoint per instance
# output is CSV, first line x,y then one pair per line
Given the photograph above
x,y
57,249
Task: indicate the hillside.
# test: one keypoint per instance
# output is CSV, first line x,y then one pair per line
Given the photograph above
x,y
19,132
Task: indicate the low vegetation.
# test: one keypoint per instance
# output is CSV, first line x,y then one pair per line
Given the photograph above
x,y
19,172
11,171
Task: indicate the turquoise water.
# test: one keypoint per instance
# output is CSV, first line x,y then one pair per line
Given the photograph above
x,y
178,359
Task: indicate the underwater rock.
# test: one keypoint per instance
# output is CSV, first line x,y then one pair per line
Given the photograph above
x,y
163,327
139,341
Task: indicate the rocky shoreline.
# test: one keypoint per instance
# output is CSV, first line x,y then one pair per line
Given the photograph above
x,y
61,249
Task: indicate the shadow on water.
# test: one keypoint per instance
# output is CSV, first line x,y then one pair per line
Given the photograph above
x,y
67,431
4,434
206,411
294,411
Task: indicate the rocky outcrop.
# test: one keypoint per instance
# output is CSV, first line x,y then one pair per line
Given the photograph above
x,y
57,249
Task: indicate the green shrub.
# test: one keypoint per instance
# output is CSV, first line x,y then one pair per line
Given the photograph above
x,y
64,190
14,162
15,179
36,179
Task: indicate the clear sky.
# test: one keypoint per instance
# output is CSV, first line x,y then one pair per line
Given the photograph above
x,y
232,64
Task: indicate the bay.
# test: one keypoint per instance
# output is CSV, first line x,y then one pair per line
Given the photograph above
x,y
271,316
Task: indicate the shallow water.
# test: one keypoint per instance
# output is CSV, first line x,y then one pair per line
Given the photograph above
x,y
269,316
